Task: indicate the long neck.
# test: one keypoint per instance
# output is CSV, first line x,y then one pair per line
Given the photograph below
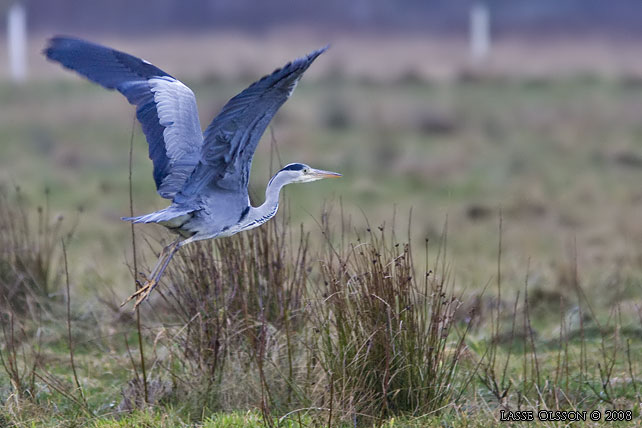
x,y
259,215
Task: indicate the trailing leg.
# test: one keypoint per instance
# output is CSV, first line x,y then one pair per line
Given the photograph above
x,y
152,280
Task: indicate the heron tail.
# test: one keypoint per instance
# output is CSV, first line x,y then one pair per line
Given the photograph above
x,y
147,218
168,215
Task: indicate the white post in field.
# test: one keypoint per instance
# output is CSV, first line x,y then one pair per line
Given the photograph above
x,y
17,41
479,31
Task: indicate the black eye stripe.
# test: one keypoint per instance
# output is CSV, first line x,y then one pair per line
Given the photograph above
x,y
294,167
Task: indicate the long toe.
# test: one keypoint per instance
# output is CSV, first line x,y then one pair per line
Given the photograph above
x,y
144,292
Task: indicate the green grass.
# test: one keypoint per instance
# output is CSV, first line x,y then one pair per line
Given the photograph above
x,y
169,419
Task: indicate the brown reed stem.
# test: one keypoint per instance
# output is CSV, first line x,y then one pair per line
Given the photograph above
x,y
131,214
71,346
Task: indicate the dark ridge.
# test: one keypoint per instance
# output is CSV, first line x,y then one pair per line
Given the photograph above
x,y
294,167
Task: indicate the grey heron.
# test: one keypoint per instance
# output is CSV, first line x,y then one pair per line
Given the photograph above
x,y
204,174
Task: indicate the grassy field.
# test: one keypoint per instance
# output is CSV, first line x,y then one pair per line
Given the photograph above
x,y
557,319
559,158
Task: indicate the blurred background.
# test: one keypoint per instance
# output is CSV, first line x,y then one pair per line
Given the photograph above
x,y
455,109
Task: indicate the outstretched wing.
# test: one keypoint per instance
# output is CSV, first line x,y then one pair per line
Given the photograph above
x,y
231,139
165,107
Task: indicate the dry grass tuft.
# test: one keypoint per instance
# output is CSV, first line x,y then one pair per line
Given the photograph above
x,y
386,340
30,257
239,302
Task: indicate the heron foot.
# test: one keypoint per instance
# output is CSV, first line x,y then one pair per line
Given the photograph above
x,y
142,293
147,283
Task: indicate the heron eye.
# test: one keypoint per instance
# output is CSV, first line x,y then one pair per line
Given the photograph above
x,y
305,170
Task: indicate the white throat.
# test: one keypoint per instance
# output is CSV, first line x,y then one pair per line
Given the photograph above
x,y
256,216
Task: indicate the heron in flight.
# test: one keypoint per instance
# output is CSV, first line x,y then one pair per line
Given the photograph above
x,y
204,174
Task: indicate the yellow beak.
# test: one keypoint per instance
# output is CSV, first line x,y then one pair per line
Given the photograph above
x,y
324,174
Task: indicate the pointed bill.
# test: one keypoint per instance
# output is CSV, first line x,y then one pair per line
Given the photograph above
x,y
324,174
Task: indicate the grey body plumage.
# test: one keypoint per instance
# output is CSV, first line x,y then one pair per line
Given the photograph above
x,y
204,174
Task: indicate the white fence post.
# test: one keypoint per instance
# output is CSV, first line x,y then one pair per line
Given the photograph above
x,y
17,41
479,31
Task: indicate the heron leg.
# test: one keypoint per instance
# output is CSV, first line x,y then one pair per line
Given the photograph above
x,y
152,280
162,256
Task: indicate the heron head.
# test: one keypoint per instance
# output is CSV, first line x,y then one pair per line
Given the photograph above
x,y
302,173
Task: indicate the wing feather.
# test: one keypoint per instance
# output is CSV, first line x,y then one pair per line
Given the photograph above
x,y
231,138
165,107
